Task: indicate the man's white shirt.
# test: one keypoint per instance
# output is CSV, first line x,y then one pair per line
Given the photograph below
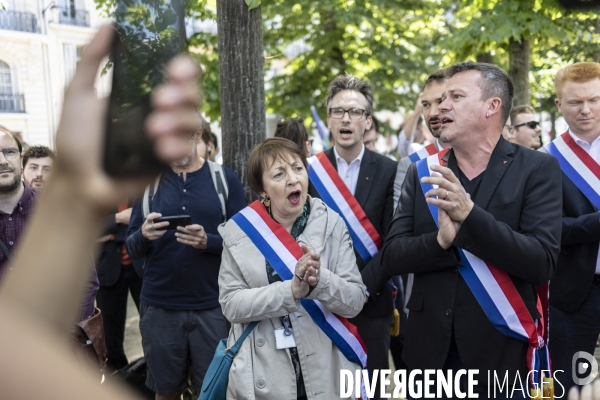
x,y
594,151
349,172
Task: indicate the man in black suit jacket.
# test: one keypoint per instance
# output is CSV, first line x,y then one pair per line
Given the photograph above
x,y
499,201
575,289
370,178
117,277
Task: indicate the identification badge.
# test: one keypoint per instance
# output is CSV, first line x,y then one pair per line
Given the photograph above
x,y
284,338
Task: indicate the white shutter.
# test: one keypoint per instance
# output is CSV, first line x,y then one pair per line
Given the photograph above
x,y
70,57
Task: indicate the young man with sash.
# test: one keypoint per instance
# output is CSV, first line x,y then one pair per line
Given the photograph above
x,y
479,226
358,184
575,289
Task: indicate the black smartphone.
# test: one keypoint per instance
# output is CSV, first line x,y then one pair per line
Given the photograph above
x,y
148,34
174,221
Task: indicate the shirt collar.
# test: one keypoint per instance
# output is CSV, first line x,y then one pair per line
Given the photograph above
x,y
28,192
580,141
359,157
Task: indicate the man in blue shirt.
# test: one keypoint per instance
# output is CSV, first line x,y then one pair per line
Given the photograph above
x,y
181,321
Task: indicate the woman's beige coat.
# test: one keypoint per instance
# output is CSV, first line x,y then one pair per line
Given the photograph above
x,y
259,370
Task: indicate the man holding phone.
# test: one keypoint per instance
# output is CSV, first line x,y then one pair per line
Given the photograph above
x,y
180,319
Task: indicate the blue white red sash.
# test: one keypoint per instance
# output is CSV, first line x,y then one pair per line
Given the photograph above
x,y
494,290
335,194
281,250
578,165
426,151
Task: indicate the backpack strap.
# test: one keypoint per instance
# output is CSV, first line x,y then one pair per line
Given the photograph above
x,y
220,183
148,196
5,250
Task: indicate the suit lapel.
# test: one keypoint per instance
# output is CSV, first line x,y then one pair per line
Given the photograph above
x,y
499,162
366,176
331,157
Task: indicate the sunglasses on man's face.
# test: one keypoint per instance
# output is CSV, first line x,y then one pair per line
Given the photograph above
x,y
530,124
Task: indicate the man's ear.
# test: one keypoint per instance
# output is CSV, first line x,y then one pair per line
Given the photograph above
x,y
558,104
494,106
369,123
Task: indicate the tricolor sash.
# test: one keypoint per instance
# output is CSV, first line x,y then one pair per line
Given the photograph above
x,y
496,293
335,194
578,165
281,250
426,151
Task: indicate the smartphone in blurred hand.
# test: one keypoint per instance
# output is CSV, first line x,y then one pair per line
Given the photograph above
x,y
148,34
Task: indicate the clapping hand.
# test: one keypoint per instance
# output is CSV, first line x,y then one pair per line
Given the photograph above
x,y
453,202
306,274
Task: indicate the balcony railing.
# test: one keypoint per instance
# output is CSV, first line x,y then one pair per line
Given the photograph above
x,y
18,21
12,103
72,16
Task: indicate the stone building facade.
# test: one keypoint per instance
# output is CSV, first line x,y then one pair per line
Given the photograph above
x,y
40,44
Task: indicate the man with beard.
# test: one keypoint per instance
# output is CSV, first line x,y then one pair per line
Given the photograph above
x,y
16,198
430,100
180,318
16,205
37,166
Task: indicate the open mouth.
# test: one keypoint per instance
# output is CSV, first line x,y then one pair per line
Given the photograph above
x,y
435,123
294,197
345,132
446,120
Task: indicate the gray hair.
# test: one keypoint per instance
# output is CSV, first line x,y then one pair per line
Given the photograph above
x,y
494,82
350,82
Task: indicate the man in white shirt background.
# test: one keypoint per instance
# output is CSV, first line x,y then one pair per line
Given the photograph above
x,y
370,178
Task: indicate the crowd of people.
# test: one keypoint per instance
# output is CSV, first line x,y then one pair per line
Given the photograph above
x,y
485,250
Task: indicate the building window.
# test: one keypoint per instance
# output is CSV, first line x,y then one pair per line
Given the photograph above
x,y
6,85
10,101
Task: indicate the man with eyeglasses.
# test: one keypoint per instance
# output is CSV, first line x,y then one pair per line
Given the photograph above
x,y
524,128
16,198
181,321
369,178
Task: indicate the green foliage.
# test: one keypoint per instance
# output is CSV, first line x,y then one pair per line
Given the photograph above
x,y
557,37
389,43
393,44
252,4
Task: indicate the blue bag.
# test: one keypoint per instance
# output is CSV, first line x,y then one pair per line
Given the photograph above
x,y
214,386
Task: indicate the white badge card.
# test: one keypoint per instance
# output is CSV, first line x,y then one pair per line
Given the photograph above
x,y
283,341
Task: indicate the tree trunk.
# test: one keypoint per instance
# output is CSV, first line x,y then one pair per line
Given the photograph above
x,y
518,70
242,88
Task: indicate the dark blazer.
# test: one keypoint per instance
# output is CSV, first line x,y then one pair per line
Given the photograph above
x,y
514,225
576,264
108,265
375,194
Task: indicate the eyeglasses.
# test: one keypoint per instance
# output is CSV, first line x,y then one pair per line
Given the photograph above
x,y
354,113
530,124
10,153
